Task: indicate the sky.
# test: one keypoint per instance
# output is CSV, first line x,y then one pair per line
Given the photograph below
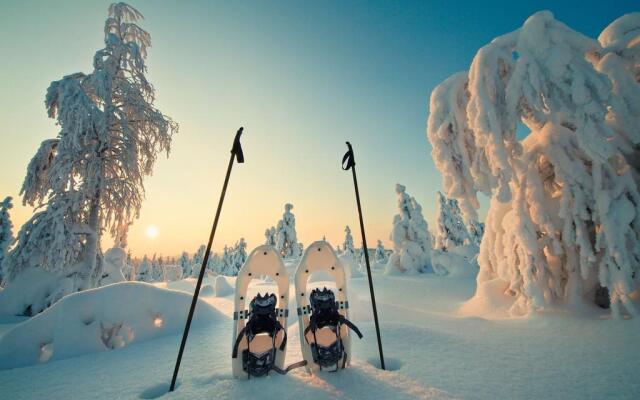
x,y
301,77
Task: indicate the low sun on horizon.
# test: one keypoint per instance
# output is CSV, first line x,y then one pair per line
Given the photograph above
x,y
152,231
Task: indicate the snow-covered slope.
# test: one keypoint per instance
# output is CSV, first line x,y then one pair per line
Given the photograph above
x,y
96,320
432,353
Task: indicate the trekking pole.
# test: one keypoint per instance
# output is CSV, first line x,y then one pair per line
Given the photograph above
x,y
349,162
236,152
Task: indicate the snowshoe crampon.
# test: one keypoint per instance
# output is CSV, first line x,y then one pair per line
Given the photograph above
x,y
325,336
259,332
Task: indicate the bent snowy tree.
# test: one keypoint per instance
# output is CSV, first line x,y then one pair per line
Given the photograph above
x,y
564,218
90,178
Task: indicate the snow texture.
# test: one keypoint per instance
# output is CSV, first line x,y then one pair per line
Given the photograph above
x,y
564,216
96,320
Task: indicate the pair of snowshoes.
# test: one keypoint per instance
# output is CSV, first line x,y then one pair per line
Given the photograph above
x,y
259,332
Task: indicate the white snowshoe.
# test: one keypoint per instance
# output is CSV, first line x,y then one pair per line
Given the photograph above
x,y
325,338
259,332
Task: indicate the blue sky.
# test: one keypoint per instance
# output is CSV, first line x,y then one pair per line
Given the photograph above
x,y
302,77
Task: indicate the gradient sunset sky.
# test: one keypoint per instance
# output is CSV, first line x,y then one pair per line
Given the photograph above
x,y
301,77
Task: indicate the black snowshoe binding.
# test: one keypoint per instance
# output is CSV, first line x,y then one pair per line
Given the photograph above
x,y
325,314
262,320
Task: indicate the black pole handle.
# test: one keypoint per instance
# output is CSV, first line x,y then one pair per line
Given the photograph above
x,y
348,160
237,147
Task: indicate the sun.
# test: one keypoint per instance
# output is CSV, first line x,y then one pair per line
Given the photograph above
x,y
152,231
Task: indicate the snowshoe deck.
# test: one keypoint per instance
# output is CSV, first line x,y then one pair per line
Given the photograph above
x,y
264,260
320,342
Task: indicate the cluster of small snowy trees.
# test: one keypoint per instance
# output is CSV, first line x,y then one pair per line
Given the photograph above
x,y
6,232
564,218
89,179
228,264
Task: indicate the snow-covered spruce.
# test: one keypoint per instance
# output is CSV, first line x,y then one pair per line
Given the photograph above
x,y
381,254
347,245
270,236
90,178
6,232
286,237
185,264
411,238
145,270
451,230
564,217
476,232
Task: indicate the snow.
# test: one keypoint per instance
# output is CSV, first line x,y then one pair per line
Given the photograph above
x,y
433,353
222,287
113,316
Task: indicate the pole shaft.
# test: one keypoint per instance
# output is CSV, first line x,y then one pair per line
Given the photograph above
x,y
194,301
366,258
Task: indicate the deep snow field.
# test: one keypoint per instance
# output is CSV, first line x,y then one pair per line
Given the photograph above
x,y
430,351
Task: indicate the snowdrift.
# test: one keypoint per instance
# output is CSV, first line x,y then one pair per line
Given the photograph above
x,y
109,317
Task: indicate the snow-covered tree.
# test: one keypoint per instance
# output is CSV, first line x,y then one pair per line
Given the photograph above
x,y
238,258
347,245
476,231
114,264
185,264
270,236
286,238
145,271
6,232
564,216
451,230
410,236
90,178
198,258
381,253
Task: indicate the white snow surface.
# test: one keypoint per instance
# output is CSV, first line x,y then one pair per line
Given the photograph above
x,y
431,353
96,320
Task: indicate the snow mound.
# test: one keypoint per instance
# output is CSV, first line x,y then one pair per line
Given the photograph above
x,y
33,290
96,320
222,287
207,290
458,261
491,302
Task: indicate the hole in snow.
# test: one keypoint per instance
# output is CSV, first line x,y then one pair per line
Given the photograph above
x,y
116,335
157,391
88,321
46,351
391,364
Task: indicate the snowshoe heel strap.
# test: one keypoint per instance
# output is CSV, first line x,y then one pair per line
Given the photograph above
x,y
351,326
290,367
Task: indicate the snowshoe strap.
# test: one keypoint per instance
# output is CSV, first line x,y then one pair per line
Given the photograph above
x,y
351,326
234,354
290,367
